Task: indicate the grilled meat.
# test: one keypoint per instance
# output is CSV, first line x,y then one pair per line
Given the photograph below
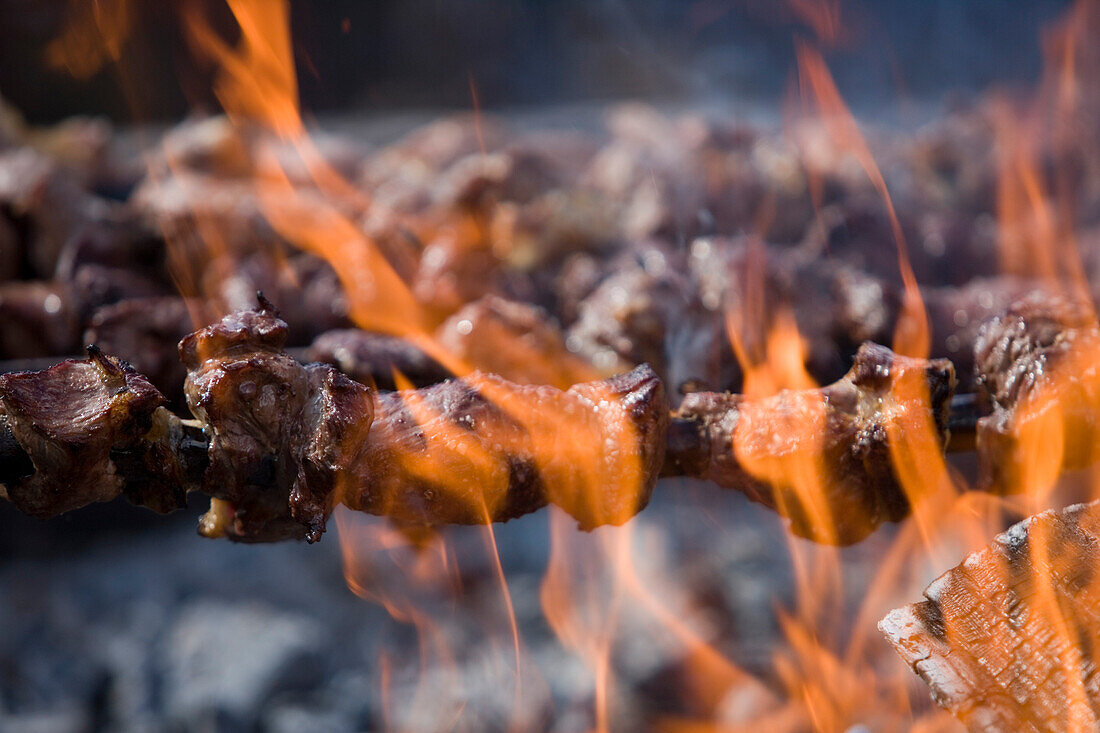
x,y
821,457
279,432
72,419
1038,364
374,358
480,449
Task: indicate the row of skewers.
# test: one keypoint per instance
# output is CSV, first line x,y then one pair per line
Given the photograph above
x,y
278,443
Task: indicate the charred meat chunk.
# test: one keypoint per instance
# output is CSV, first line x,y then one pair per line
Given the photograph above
x,y
1008,639
821,457
280,433
73,420
374,358
303,286
1039,365
482,449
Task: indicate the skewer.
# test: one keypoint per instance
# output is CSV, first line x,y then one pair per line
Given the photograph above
x,y
276,442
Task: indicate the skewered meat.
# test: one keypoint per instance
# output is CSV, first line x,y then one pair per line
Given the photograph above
x,y
279,431
1008,639
145,332
514,340
285,442
647,312
39,320
303,286
372,358
483,449
1038,364
70,419
956,316
770,448
47,203
835,307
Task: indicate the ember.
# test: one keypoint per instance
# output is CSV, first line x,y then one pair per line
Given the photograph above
x,y
624,417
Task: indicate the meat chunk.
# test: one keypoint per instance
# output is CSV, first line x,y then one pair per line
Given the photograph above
x,y
821,457
280,433
48,204
835,306
373,358
145,332
957,315
1008,639
1039,364
515,340
72,420
483,449
303,286
39,320
646,312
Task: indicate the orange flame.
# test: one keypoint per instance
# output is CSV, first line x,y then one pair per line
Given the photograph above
x,y
95,33
911,337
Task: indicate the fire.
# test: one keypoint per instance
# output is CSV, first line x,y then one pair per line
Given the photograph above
x,y
832,671
911,336
95,34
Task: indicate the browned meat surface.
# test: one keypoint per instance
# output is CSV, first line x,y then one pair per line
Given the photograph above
x,y
483,449
956,315
1038,363
821,457
1008,639
39,320
280,433
835,307
47,203
515,340
372,358
304,288
647,312
146,333
69,419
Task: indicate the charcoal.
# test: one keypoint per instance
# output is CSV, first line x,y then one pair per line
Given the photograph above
x,y
1007,639
759,447
224,661
279,431
373,358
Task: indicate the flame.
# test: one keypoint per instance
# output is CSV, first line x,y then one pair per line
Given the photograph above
x,y
823,17
95,33
911,336
833,671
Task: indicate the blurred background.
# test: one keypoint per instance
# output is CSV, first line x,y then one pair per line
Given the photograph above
x,y
424,53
